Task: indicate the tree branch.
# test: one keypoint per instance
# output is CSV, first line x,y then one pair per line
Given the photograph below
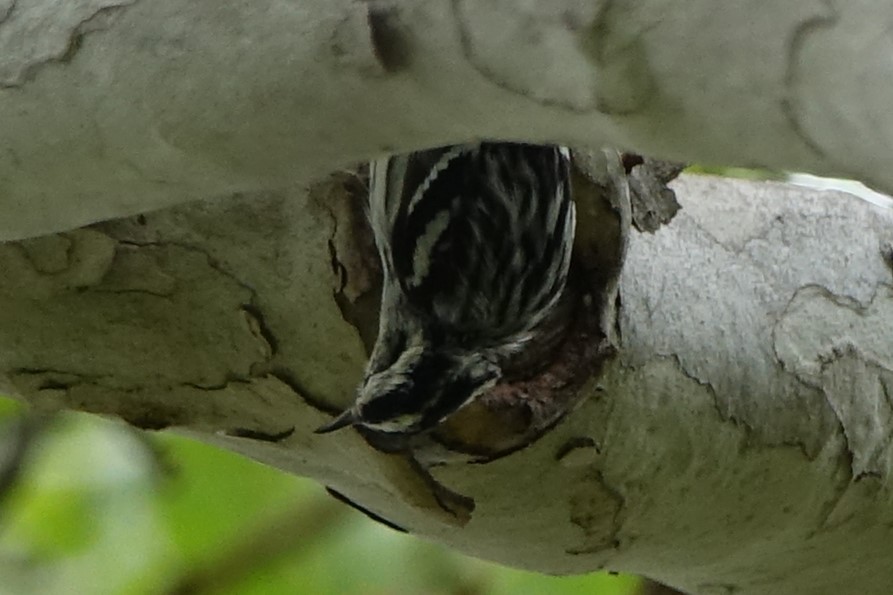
x,y
113,107
738,437
745,417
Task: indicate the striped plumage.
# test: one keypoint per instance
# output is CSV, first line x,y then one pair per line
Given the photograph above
x,y
475,241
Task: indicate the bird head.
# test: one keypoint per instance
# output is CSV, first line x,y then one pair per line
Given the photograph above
x,y
418,391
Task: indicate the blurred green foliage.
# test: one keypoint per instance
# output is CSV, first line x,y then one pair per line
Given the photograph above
x,y
101,509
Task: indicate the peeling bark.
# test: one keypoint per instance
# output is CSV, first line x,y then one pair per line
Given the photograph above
x,y
737,440
733,436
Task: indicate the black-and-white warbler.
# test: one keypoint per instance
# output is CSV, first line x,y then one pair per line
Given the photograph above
x,y
475,242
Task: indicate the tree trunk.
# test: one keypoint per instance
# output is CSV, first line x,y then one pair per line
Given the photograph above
x,y
736,436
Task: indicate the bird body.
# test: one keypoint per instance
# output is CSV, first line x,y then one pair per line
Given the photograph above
x,y
475,242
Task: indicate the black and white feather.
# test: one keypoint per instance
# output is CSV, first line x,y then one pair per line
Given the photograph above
x,y
475,242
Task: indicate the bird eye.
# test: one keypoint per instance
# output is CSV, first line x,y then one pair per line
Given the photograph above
x,y
388,406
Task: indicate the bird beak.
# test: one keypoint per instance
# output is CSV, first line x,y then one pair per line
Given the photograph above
x,y
347,418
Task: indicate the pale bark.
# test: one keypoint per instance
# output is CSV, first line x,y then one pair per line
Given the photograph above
x,y
739,441
113,107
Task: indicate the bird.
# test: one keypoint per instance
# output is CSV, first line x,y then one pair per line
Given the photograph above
x,y
475,242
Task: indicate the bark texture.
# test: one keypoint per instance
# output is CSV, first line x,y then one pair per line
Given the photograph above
x,y
114,107
738,442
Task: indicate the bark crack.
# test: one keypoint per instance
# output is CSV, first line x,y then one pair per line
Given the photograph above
x,y
251,310
847,354
260,328
52,257
32,50
564,32
353,255
826,348
789,102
